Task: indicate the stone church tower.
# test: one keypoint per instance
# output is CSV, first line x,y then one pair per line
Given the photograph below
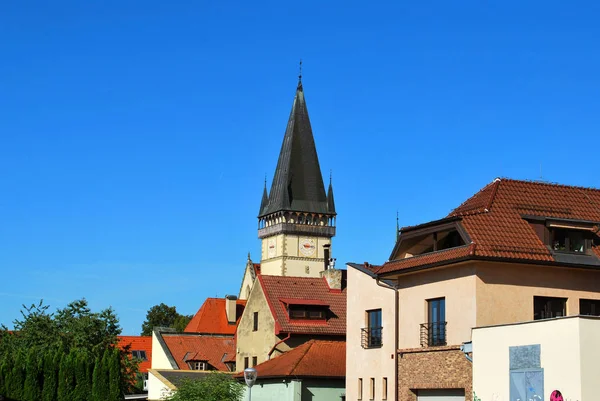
x,y
296,219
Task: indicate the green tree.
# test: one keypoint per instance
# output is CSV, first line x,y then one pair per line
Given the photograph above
x,y
50,368
66,377
164,316
16,378
212,387
114,376
83,385
33,382
5,369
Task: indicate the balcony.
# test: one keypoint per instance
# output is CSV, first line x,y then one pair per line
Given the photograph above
x,y
371,337
433,334
299,229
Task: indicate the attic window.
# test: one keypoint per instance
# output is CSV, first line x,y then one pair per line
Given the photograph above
x,y
563,240
312,312
198,365
139,355
417,244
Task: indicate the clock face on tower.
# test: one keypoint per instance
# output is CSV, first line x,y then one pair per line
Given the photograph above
x,y
307,246
271,247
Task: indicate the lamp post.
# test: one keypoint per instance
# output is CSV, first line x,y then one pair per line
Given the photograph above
x,y
250,375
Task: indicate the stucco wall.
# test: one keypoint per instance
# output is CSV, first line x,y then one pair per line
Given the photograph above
x,y
364,294
157,390
589,337
322,390
255,343
569,356
505,291
247,284
275,390
159,356
456,284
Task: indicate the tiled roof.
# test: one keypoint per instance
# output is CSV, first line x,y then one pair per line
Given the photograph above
x,y
493,219
216,350
138,343
211,318
257,268
311,289
315,358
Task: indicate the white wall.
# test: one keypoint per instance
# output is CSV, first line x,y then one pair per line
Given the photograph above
x,y
569,356
157,390
364,294
159,356
276,390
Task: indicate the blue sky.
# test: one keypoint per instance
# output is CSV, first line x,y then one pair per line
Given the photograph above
x,y
135,136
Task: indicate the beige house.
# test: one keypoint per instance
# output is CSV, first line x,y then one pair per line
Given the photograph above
x,y
285,312
371,336
530,360
514,252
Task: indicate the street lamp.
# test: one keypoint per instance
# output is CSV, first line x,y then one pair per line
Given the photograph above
x,y
250,375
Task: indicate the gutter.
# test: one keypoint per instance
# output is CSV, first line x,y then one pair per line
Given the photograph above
x,y
276,344
390,286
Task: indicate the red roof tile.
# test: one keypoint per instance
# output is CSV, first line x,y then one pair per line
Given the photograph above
x,y
312,290
493,218
215,350
211,318
138,343
257,268
315,358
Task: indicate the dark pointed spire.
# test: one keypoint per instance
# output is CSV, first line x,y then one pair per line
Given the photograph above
x,y
397,227
297,183
265,199
330,201
300,77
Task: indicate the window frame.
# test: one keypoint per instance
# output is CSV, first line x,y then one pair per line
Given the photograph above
x,y
360,388
255,322
246,362
548,300
372,388
384,388
373,328
254,361
594,306
436,336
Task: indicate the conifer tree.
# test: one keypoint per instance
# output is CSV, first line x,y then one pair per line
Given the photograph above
x,y
17,378
4,369
50,368
66,379
33,386
82,385
100,381
114,374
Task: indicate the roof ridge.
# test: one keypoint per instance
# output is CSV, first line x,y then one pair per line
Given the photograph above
x,y
309,345
549,183
496,184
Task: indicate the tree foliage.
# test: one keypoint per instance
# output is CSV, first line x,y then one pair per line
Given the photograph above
x,y
164,316
212,387
54,356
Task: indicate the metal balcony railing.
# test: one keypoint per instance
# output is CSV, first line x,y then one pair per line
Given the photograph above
x,y
371,337
433,334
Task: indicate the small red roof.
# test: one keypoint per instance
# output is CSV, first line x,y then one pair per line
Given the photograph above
x,y
211,318
495,220
308,291
215,350
138,343
315,358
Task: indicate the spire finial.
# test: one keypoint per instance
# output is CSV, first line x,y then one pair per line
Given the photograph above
x,y
265,180
300,73
397,226
330,175
249,256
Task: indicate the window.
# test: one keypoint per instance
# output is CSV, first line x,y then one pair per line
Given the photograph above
x,y
313,312
384,389
433,333
569,240
371,336
589,307
198,365
254,361
372,388
139,355
255,327
360,389
246,363
230,366
547,307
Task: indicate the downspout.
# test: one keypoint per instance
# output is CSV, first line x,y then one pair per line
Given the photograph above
x,y
396,330
276,344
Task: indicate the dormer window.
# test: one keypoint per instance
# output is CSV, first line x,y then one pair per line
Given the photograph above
x,y
438,237
312,312
198,365
564,240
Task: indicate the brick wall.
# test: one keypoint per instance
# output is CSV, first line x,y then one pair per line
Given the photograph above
x,y
433,368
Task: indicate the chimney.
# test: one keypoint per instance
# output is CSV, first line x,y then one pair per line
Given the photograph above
x,y
326,255
333,277
231,308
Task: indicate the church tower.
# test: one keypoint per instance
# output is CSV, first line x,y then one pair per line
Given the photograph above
x,y
296,220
